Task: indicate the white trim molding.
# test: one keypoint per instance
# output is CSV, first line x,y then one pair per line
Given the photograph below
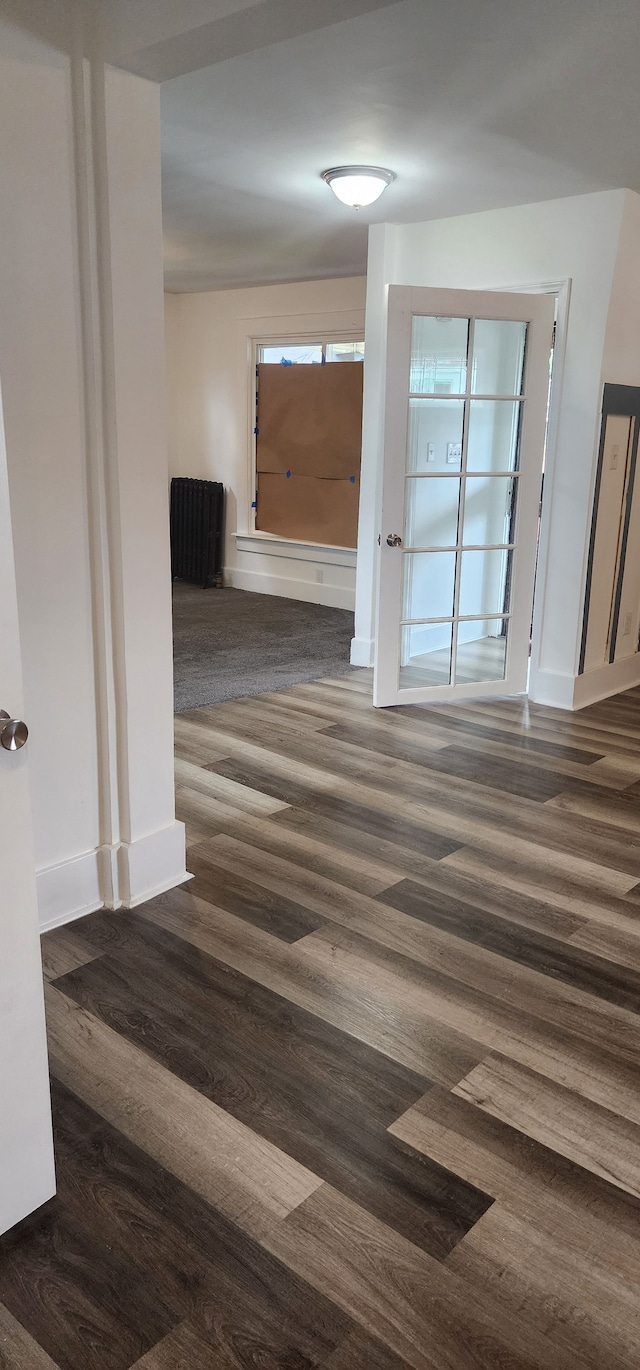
x,y
606,680
68,890
552,688
295,549
288,587
151,865
362,650
576,692
145,868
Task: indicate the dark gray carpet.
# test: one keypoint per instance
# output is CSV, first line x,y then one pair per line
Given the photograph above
x,y
229,643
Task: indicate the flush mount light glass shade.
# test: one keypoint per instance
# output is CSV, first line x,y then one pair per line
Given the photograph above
x,y
358,186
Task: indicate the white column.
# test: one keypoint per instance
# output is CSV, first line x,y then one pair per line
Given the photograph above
x,y
126,141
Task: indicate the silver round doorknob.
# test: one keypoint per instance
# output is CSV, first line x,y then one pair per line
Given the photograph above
x,y
13,732
394,540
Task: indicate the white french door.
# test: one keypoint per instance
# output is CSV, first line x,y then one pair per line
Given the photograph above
x,y
467,382
26,1151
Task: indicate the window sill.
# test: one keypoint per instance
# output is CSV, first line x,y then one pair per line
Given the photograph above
x,y
269,544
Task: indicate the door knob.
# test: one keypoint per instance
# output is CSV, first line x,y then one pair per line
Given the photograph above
x,y
394,540
13,732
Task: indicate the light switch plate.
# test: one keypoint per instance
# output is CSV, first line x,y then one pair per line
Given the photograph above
x,y
454,453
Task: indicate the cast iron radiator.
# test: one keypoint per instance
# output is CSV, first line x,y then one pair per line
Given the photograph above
x,y
197,519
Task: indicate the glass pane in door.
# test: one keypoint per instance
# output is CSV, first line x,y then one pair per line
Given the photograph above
x,y
425,654
438,356
485,582
497,367
435,435
494,435
428,583
481,651
489,510
431,518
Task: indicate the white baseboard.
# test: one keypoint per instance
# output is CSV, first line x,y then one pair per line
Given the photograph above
x,y
362,651
576,692
606,680
69,890
151,865
263,583
550,687
84,884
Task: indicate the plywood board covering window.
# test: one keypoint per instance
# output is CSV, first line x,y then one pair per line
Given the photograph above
x,y
309,434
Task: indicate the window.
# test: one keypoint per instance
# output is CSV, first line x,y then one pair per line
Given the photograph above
x,y
307,353
308,437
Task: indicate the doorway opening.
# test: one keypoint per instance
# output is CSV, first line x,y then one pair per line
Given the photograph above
x,y
293,520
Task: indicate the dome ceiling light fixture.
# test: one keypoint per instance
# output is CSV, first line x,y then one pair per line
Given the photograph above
x,y
358,186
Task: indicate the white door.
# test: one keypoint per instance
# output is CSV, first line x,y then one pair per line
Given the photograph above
x,y
26,1152
467,380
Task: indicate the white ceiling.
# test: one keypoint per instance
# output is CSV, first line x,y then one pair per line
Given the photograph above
x,y
473,103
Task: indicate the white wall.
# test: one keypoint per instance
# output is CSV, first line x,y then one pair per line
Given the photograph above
x,y
573,239
211,417
82,369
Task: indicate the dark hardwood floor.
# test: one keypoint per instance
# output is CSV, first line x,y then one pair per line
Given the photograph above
x,y
364,1094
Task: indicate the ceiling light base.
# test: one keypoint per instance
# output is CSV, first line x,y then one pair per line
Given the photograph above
x,y
358,186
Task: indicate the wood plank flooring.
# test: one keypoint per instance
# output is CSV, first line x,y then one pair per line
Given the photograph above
x,y
363,1094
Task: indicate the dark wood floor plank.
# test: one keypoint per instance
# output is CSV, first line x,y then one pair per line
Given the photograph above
x,y
534,836
583,891
534,1182
611,773
611,943
226,1163
620,808
423,729
242,1303
332,991
618,985
304,1086
604,1024
363,817
361,1352
490,730
403,863
500,1020
278,915
418,1309
62,950
221,791
539,722
532,1275
456,761
19,1350
592,1136
184,1349
346,868
517,815
79,1299
224,1013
